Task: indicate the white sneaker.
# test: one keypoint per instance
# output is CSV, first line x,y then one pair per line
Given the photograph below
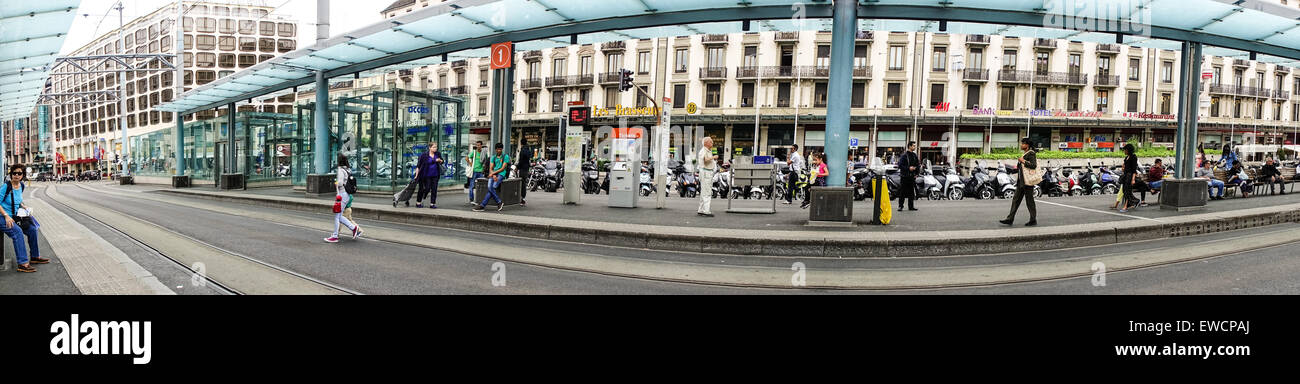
x,y
332,239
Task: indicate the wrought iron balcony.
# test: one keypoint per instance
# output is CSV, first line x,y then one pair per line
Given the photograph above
x,y
1045,43
787,37
458,90
1107,81
713,73
459,64
866,35
405,73
978,39
532,55
613,46
569,81
770,72
975,75
861,71
1107,48
610,77
1280,94
715,39
1241,63
533,83
1063,78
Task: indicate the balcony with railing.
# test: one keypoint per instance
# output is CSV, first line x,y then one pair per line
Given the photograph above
x,y
458,90
1107,81
569,81
866,35
613,46
787,37
1280,94
405,73
459,64
1241,63
978,39
975,74
715,39
1107,48
1045,43
533,83
610,77
772,72
1062,78
532,55
861,72
713,73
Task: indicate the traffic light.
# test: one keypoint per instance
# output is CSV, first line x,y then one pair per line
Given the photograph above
x,y
625,82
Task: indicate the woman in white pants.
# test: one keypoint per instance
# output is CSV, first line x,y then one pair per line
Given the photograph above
x,y
341,199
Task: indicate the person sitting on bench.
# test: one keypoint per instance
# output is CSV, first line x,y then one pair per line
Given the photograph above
x,y
1270,176
1237,177
1205,173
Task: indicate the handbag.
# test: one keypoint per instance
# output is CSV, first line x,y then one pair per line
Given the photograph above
x,y
24,222
1032,176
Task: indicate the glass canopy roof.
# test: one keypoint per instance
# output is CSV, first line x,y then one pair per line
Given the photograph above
x,y
463,28
31,33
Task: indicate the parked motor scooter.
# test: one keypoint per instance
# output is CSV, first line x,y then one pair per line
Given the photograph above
x,y
951,183
1003,184
590,182
929,184
1051,184
980,185
647,183
1109,180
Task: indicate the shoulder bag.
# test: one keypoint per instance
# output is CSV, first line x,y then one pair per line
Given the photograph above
x,y
1032,176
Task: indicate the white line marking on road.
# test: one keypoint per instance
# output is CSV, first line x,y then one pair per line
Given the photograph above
x,y
1099,211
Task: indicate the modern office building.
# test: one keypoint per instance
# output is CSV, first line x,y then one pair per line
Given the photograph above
x,y
219,39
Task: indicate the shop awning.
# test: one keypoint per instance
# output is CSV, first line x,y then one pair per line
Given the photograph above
x,y
1230,27
31,34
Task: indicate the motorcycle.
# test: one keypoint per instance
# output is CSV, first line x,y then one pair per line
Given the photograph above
x,y
687,184
553,176
979,184
722,182
951,184
536,175
590,184
1109,180
1051,184
1089,181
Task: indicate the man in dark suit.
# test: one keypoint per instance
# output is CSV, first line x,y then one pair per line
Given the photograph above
x,y
1029,161
908,166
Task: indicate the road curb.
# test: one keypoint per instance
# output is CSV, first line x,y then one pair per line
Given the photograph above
x,y
797,243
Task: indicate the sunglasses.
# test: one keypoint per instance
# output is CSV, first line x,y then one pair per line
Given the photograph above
x,y
15,173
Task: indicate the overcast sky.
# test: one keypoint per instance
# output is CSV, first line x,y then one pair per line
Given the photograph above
x,y
345,16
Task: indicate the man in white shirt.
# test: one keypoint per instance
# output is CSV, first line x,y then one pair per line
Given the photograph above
x,y
707,163
795,161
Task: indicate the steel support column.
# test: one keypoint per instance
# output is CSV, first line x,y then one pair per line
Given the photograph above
x,y
508,106
229,167
320,150
843,32
1188,108
180,87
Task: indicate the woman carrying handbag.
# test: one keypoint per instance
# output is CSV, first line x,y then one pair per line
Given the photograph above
x,y
1029,176
19,224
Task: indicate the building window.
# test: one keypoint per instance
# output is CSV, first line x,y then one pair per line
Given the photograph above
x,y
859,56
643,62
226,43
228,26
717,57
859,99
681,60
482,78
584,95
534,69
897,56
976,58
205,60
1042,63
747,95
557,67
1009,60
1236,109
1103,101
287,29
266,28
679,95
1072,100
226,60
1167,72
641,100
824,56
206,42
613,62
1134,68
972,96
1132,104
247,60
247,27
482,106
532,102
585,64
819,95
1214,107
1103,66
894,95
1040,98
1277,111
1007,100
611,97
936,94
1164,103
248,44
1259,110
557,101
713,95
751,56
1076,64
940,59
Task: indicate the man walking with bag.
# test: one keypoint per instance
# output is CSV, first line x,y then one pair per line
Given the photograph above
x,y
1029,176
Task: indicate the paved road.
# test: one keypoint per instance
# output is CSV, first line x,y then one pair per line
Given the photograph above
x,y
376,267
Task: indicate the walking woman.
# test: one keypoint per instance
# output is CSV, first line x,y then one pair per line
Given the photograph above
x,y
1128,180
341,198
1028,161
19,223
428,171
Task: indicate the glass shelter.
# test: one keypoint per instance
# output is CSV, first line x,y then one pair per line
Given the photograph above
x,y
383,134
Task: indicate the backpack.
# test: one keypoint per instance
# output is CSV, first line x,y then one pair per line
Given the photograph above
x,y
351,185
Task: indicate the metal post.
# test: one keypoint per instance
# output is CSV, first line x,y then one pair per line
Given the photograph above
x,y
180,88
507,107
758,89
231,162
1189,104
121,97
843,32
321,149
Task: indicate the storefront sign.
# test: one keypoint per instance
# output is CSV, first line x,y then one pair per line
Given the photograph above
x,y
989,111
942,107
1148,116
1063,113
619,110
417,109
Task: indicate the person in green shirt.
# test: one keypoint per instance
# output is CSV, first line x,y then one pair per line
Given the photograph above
x,y
475,160
500,169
